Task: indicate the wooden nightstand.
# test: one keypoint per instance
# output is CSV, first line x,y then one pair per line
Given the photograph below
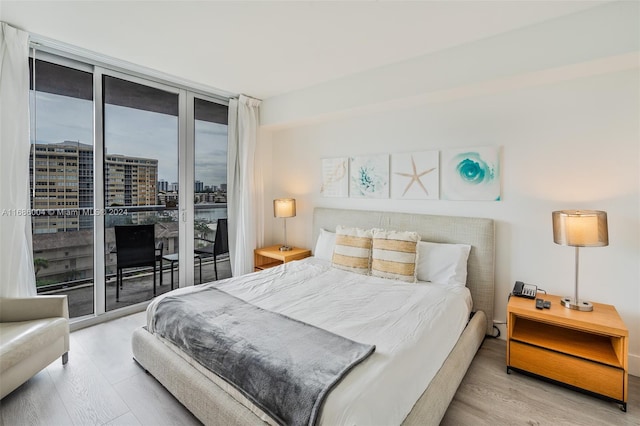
x,y
268,257
585,350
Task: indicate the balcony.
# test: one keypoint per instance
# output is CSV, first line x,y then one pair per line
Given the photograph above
x,y
137,286
64,261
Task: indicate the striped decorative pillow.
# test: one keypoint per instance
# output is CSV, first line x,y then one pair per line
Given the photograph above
x,y
394,255
352,251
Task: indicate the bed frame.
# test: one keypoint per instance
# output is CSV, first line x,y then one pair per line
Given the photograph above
x,y
213,406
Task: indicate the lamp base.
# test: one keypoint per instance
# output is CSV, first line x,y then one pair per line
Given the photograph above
x,y
285,248
578,305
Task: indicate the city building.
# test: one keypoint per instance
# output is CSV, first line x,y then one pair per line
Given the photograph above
x,y
57,174
163,185
130,181
62,184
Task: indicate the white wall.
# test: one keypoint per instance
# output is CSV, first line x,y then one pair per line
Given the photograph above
x,y
569,136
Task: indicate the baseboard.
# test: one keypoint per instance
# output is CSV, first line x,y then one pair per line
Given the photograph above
x,y
634,365
76,324
503,330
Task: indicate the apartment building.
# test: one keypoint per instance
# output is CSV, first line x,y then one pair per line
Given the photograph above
x,y
62,184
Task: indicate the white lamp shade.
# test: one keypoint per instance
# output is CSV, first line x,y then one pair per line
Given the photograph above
x,y
580,228
284,207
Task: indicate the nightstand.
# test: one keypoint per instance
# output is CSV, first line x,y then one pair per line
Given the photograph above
x,y
584,350
268,257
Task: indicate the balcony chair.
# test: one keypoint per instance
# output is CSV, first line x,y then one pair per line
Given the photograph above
x,y
219,246
135,248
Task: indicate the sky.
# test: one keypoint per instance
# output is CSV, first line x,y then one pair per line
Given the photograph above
x,y
132,132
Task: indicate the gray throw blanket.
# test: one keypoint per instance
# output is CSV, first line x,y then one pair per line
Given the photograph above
x,y
284,366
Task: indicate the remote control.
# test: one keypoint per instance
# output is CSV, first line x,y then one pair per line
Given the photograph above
x,y
539,303
547,304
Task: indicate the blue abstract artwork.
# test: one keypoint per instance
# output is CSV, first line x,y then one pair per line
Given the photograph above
x,y
471,174
369,177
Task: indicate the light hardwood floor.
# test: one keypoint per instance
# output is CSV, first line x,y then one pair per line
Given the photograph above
x,y
102,385
490,396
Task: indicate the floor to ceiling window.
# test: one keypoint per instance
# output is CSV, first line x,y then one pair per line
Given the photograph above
x,y
140,148
134,170
210,185
61,182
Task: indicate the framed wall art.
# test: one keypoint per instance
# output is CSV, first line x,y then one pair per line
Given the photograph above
x,y
471,174
335,178
415,176
369,176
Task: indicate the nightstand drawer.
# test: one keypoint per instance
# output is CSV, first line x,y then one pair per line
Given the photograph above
x,y
588,375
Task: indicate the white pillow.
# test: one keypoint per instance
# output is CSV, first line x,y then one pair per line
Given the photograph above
x,y
443,263
325,244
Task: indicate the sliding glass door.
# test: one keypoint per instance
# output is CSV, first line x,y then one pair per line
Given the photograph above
x,y
113,150
210,187
141,136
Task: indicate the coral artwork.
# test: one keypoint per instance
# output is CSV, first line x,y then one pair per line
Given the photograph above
x,y
369,176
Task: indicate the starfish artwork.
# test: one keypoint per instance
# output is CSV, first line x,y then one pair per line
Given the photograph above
x,y
415,177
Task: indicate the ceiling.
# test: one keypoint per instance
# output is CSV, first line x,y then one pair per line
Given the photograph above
x,y
266,48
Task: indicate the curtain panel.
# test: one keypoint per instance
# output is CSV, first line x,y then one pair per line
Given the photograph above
x,y
17,278
245,189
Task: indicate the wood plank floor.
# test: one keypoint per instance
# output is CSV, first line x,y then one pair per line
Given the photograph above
x,y
490,396
102,385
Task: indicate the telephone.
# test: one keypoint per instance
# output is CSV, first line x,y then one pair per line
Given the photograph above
x,y
521,289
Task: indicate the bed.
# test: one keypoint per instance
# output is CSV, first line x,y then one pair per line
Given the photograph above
x,y
207,397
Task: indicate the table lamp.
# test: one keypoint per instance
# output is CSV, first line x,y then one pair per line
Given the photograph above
x,y
579,228
284,208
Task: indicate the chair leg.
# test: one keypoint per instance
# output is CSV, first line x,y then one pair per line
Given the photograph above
x,y
154,279
161,271
118,272
200,262
65,358
171,275
215,266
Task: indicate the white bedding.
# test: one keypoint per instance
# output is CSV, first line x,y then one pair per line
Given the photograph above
x,y
414,327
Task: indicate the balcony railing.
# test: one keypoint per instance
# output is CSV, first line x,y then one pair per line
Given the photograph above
x,y
68,256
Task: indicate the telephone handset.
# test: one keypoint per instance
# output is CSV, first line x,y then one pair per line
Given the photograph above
x,y
521,289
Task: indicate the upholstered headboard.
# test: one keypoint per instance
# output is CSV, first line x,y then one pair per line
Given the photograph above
x,y
478,232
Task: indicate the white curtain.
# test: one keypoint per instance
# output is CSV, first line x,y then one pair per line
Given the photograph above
x,y
245,199
17,278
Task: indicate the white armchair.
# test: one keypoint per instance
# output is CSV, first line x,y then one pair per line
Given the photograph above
x,y
34,331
